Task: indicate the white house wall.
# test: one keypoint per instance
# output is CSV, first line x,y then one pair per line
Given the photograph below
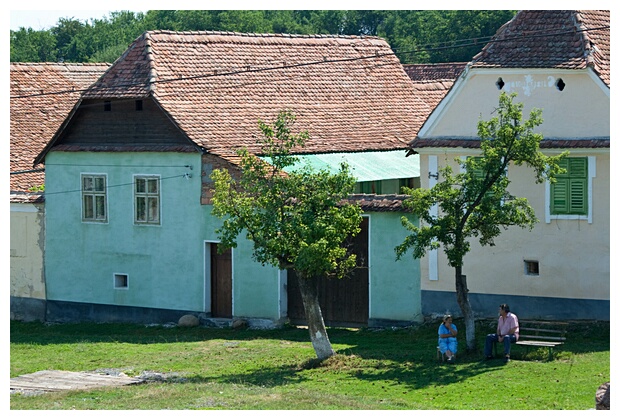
x,y
581,110
27,278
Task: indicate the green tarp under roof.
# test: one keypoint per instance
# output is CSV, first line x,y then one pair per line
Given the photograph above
x,y
365,166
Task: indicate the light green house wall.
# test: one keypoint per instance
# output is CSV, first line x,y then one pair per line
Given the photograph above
x,y
394,285
163,263
167,265
256,290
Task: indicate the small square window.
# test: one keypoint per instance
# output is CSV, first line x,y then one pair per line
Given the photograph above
x,y
120,281
531,268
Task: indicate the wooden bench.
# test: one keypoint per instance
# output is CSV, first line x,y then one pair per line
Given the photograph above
x,y
548,334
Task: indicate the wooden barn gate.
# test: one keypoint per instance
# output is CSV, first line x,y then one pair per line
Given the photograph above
x,y
344,302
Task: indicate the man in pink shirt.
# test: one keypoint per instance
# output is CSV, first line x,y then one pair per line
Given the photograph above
x,y
507,332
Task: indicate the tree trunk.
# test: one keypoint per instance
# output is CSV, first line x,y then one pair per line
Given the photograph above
x,y
462,297
308,286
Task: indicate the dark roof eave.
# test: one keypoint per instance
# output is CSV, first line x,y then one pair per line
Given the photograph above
x,y
475,144
180,148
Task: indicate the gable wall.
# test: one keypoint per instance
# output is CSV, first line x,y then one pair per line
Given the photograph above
x,y
92,125
581,110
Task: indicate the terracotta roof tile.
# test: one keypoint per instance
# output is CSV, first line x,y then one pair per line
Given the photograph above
x,y
349,92
567,39
36,114
434,71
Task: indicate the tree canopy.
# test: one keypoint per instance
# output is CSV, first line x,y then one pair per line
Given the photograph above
x,y
476,203
295,219
417,36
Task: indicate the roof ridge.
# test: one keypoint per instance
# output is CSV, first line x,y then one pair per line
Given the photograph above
x,y
590,43
262,35
586,43
55,64
150,59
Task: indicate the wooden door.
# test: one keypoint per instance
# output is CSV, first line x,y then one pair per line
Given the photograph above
x,y
344,302
221,283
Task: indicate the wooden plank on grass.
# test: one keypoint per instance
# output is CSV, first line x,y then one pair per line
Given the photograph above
x,y
59,380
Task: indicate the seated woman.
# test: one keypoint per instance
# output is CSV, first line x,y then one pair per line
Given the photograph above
x,y
447,338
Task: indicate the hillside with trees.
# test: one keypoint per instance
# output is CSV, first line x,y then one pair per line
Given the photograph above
x,y
416,36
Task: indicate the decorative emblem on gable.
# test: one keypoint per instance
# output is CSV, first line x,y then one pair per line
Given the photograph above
x,y
529,84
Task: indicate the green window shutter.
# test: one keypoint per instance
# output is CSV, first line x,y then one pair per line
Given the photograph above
x,y
578,167
479,175
569,195
579,196
478,172
559,196
564,165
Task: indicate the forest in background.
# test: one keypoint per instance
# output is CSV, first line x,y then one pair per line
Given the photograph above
x,y
416,36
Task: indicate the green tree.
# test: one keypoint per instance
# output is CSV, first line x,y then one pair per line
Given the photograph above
x,y
109,37
417,36
30,46
476,202
69,35
296,220
437,36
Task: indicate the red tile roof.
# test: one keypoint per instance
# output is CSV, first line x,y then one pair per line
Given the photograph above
x,y
564,39
432,82
434,71
35,117
350,93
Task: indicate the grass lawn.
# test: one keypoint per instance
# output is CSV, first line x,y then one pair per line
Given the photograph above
x,y
226,369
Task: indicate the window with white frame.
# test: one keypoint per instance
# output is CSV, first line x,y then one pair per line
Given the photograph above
x,y
94,198
121,281
147,199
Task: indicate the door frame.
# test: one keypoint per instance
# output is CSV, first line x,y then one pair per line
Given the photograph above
x,y
206,293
